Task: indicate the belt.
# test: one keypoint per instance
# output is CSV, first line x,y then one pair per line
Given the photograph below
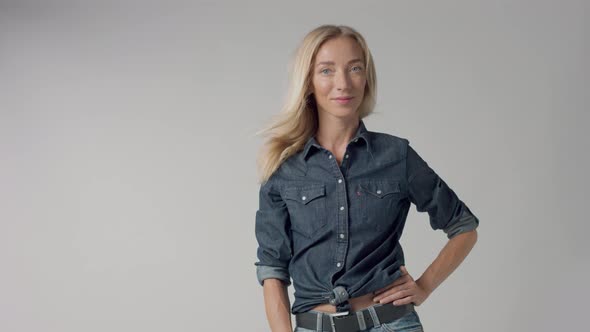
x,y
364,319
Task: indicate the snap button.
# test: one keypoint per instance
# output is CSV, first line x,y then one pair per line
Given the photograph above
x,y
379,191
303,198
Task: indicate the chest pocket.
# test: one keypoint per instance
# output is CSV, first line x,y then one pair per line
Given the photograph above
x,y
379,203
307,208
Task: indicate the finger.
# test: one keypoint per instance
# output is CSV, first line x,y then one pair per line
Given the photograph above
x,y
405,300
393,290
396,296
388,292
395,283
398,281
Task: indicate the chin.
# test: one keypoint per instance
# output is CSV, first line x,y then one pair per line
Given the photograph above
x,y
344,113
341,111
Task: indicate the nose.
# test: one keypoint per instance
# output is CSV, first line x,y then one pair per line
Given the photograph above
x,y
342,80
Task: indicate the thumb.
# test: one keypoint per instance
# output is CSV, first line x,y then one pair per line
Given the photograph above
x,y
403,269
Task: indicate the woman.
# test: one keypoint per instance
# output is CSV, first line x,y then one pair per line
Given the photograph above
x,y
334,200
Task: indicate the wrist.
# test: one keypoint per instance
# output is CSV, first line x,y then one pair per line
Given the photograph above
x,y
424,286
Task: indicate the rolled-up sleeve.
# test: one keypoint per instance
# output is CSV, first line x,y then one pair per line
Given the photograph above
x,y
431,194
273,235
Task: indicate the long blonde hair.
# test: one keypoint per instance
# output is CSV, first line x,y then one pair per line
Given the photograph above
x,y
298,120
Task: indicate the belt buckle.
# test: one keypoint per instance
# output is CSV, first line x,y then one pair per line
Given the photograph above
x,y
338,314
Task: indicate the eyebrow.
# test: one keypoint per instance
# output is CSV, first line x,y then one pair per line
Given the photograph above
x,y
332,62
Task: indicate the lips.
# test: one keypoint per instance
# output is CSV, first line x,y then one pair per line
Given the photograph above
x,y
343,100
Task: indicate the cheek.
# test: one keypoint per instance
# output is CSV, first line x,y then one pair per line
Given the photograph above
x,y
322,86
360,83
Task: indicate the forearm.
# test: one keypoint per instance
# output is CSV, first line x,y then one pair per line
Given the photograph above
x,y
449,258
277,305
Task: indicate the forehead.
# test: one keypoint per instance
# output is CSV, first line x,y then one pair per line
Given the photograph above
x,y
340,49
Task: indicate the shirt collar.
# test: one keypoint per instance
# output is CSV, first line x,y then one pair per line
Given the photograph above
x,y
361,133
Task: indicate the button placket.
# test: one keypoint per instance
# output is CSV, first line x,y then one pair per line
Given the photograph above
x,y
342,219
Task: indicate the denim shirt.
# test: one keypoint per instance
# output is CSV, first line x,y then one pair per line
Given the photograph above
x,y
335,229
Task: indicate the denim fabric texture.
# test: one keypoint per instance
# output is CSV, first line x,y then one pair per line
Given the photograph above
x,y
334,229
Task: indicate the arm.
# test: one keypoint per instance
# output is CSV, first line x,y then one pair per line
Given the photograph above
x,y
405,290
449,258
277,305
447,212
274,254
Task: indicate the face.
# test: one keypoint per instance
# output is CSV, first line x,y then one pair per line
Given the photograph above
x,y
338,77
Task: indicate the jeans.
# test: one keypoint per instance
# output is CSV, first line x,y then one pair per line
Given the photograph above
x,y
408,323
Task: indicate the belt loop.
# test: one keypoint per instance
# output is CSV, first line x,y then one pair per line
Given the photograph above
x,y
373,313
361,318
332,323
319,322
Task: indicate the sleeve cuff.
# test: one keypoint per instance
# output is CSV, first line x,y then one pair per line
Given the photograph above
x,y
467,222
277,272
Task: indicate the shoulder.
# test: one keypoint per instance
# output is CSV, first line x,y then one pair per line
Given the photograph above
x,y
388,147
291,169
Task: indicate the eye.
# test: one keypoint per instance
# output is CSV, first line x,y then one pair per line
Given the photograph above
x,y
323,71
358,67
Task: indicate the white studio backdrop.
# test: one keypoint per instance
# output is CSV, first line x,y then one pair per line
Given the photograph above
x,y
127,174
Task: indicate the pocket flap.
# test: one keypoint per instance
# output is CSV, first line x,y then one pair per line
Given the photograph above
x,y
380,189
305,194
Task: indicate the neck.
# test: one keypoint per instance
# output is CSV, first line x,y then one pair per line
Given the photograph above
x,y
336,132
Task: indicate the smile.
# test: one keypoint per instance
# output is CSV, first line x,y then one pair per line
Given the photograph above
x,y
343,101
